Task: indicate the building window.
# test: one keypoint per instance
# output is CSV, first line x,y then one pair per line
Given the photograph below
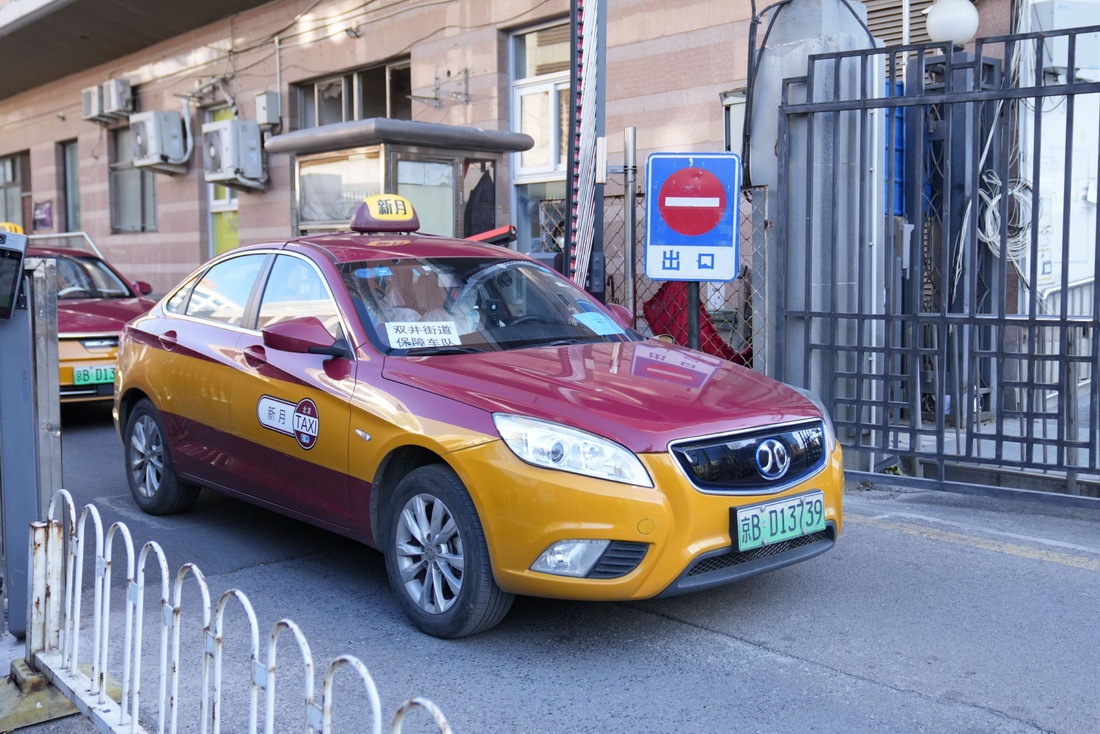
x,y
540,108
11,191
382,91
222,202
70,185
133,189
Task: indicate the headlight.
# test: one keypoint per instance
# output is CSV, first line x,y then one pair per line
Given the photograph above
x,y
830,432
555,446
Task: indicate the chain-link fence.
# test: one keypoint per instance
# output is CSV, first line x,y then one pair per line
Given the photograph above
x,y
731,312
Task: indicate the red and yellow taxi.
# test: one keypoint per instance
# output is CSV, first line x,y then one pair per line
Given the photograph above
x,y
487,425
94,300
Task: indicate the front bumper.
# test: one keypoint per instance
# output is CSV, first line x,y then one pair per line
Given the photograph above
x,y
72,355
686,533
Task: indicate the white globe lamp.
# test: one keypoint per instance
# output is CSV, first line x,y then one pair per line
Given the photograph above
x,y
952,20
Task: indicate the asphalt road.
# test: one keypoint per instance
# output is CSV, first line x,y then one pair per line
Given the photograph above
x,y
935,612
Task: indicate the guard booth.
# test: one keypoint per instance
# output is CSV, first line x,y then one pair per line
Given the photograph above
x,y
30,416
451,174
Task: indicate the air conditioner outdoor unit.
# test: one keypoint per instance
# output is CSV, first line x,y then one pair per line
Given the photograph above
x,y
232,152
157,138
91,105
118,98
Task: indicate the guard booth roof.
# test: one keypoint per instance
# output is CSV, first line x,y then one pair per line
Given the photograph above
x,y
379,130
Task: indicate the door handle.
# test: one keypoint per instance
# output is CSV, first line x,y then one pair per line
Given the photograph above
x,y
254,354
168,340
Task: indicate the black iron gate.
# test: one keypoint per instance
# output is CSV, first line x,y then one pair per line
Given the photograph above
x,y
938,217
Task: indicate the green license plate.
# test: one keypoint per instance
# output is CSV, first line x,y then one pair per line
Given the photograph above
x,y
772,522
93,375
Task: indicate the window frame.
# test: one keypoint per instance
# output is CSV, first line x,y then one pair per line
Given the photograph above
x,y
69,183
121,165
553,173
12,178
354,93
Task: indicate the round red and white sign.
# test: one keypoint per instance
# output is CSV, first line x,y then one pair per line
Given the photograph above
x,y
692,201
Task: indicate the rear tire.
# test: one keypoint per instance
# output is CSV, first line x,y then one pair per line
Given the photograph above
x,y
437,559
156,488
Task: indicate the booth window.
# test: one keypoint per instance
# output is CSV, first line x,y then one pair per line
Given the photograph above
x,y
133,189
331,185
540,108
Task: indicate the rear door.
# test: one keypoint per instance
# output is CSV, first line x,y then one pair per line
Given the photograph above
x,y
193,374
290,411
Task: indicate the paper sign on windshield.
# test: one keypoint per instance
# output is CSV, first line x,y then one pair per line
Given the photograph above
x,y
414,334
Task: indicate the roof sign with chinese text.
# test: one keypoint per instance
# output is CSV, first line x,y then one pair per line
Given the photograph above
x,y
385,213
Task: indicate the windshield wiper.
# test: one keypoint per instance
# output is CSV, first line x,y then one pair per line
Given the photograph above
x,y
568,341
441,349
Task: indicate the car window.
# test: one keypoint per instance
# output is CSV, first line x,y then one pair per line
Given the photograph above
x,y
179,298
295,289
222,292
416,306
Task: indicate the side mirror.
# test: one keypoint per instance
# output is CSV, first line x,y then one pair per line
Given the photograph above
x,y
622,315
142,287
306,335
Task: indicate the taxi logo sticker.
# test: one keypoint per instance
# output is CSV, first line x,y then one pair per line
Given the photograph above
x,y
298,420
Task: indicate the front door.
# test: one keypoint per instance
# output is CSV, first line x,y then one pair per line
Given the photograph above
x,y
291,411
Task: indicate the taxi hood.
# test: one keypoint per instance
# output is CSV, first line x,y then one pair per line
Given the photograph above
x,y
640,394
94,315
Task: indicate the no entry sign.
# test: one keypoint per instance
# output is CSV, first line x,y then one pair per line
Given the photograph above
x,y
692,216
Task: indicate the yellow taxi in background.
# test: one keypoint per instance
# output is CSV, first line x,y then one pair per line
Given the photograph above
x,y
486,424
94,300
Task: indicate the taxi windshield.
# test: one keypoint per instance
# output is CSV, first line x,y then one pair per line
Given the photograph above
x,y
87,277
453,305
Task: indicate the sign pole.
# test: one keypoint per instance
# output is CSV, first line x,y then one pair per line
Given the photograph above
x,y
630,155
693,314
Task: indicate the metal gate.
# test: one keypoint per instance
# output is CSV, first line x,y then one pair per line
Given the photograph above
x,y
937,215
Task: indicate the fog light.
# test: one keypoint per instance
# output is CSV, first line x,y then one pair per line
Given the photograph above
x,y
570,557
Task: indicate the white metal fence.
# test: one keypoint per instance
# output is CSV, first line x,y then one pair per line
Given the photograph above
x,y
57,622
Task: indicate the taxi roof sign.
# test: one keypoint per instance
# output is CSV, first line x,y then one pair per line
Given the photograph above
x,y
385,213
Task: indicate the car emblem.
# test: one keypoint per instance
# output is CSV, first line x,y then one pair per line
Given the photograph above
x,y
772,459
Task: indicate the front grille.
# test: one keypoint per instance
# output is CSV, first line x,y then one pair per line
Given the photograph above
x,y
620,558
732,462
734,558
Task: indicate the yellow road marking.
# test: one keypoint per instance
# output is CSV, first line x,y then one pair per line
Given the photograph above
x,y
975,542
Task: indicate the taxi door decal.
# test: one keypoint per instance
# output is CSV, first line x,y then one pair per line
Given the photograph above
x,y
299,420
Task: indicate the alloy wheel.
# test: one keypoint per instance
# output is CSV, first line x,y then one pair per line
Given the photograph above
x,y
146,456
429,553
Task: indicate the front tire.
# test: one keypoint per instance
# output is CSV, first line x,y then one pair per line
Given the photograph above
x,y
152,478
437,559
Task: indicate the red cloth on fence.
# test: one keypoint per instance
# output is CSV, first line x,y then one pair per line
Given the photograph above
x,y
666,313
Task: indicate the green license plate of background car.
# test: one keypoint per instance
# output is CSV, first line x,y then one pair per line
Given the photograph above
x,y
772,522
93,375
